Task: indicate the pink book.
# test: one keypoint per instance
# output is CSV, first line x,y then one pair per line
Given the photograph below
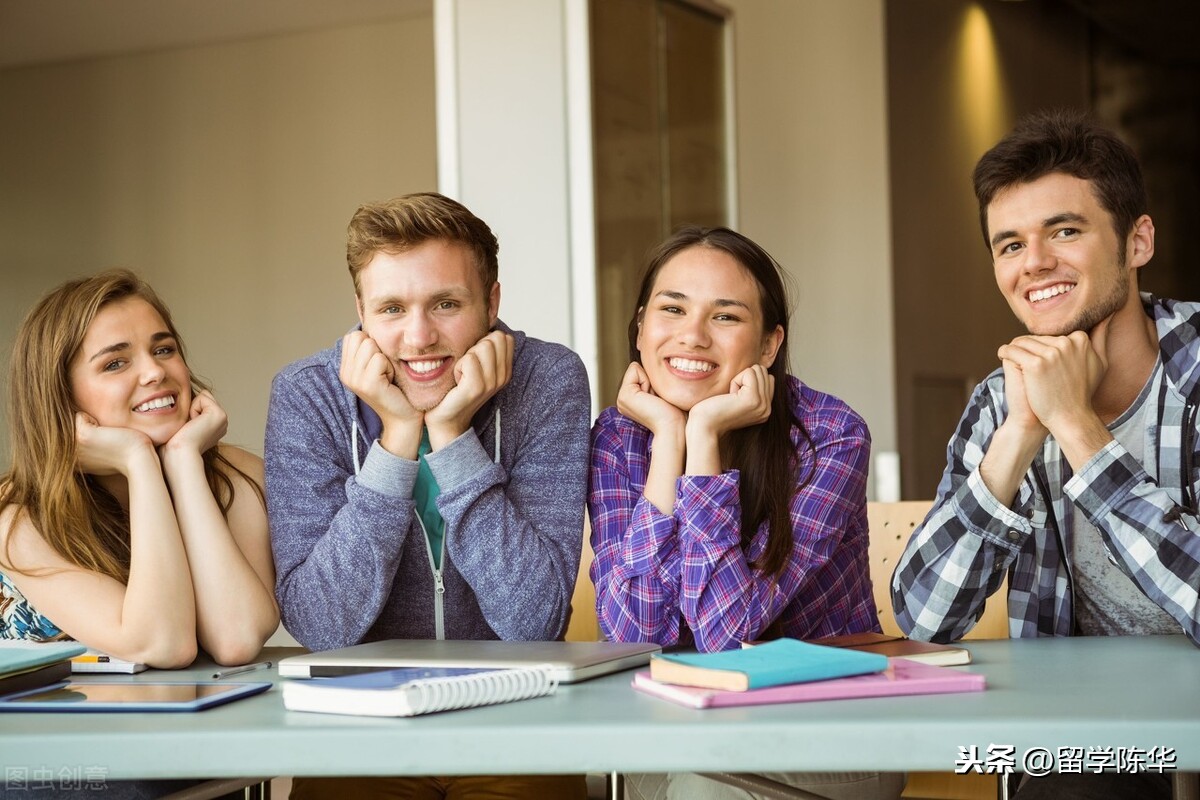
x,y
901,677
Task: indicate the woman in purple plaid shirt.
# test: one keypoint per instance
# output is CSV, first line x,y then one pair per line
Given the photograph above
x,y
727,499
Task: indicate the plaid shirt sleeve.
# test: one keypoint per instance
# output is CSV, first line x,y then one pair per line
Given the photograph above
x,y
653,572
637,565
961,552
1153,540
724,600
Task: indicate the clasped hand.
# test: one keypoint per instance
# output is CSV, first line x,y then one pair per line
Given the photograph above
x,y
1049,381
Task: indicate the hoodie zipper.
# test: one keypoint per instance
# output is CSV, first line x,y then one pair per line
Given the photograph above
x,y
439,586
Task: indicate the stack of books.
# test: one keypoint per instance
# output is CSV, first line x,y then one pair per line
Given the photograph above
x,y
32,665
791,671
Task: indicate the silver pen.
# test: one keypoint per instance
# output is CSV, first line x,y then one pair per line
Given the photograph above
x,y
225,673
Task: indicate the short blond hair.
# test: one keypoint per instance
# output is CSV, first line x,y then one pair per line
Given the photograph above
x,y
402,223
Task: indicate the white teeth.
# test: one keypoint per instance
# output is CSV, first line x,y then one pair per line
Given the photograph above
x,y
689,365
151,405
1038,295
421,367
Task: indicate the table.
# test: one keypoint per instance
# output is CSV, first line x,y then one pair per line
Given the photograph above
x,y
1105,691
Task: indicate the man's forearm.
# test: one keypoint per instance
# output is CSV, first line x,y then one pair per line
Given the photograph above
x,y
1006,461
1080,440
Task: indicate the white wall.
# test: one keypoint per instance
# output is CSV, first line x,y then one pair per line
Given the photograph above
x,y
812,165
813,186
223,174
514,145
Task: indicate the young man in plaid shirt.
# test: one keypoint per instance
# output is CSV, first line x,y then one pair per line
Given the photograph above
x,y
1072,470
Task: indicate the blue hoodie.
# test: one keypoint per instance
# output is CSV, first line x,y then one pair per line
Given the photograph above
x,y
352,561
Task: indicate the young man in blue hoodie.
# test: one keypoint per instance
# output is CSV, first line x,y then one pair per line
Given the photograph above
x,y
1073,468
426,476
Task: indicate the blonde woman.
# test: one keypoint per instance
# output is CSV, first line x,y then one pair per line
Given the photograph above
x,y
124,523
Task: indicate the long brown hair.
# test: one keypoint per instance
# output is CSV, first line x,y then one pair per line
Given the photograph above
x,y
763,453
76,516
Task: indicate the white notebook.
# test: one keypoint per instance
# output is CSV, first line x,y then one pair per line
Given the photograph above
x,y
569,661
97,661
408,692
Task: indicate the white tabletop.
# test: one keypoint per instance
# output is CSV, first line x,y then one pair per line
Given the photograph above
x,y
1132,693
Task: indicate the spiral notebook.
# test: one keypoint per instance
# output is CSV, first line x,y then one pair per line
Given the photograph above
x,y
416,690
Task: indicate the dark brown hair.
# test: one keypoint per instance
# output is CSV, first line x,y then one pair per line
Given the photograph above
x,y
1072,143
763,453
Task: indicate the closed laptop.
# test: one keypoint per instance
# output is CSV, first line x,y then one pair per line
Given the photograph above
x,y
569,661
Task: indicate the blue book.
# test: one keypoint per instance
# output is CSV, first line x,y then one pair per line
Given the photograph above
x,y
21,656
772,663
416,690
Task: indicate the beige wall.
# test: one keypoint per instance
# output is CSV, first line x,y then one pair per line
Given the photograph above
x,y
960,72
225,175
813,186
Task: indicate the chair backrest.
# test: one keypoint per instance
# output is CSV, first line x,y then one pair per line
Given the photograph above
x,y
583,625
891,525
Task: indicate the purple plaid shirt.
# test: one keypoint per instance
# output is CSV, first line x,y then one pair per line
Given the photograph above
x,y
684,577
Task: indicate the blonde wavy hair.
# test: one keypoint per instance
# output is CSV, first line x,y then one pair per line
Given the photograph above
x,y
76,516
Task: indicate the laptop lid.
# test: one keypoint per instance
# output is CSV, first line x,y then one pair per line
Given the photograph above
x,y
571,661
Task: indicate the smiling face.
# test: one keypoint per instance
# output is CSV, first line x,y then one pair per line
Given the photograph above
x,y
1058,261
701,326
425,307
128,372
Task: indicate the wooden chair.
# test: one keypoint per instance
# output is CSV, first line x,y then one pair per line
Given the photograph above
x,y
583,625
891,526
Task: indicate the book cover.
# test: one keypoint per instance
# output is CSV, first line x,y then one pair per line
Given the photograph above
x,y
96,661
35,678
19,655
772,663
944,655
902,677
416,690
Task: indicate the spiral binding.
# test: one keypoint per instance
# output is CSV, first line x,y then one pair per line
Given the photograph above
x,y
486,688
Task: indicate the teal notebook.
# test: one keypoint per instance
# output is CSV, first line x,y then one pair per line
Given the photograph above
x,y
769,664
19,656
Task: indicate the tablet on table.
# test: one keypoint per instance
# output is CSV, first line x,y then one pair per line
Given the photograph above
x,y
129,696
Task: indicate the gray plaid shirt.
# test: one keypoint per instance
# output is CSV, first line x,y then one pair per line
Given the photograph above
x,y
1149,522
